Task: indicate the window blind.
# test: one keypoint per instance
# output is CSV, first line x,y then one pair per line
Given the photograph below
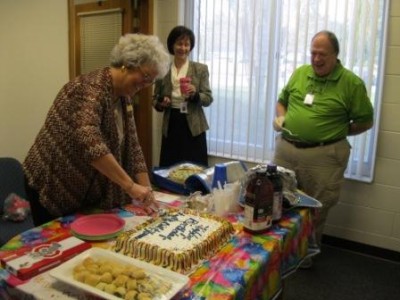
x,y
99,32
252,48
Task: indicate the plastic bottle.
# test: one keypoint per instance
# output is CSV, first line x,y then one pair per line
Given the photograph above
x,y
273,175
258,203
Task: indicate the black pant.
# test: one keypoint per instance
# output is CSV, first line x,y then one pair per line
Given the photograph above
x,y
180,146
40,214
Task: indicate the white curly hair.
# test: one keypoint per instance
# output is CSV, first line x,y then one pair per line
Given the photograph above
x,y
134,50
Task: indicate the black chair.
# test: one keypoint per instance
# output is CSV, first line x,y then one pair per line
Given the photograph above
x,y
11,181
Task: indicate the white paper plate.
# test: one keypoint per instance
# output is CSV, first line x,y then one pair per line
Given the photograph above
x,y
64,273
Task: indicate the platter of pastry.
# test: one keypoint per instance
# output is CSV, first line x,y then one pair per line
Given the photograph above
x,y
114,276
174,178
181,173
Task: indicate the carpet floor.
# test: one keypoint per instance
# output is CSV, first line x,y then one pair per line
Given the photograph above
x,y
339,274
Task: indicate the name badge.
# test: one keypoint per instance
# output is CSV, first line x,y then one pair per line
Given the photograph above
x,y
183,108
129,108
309,99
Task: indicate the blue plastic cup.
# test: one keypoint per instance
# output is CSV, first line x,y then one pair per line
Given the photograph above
x,y
220,177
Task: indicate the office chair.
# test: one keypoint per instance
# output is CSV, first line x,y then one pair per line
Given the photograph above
x,y
11,181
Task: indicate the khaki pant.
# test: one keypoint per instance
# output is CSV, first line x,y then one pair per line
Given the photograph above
x,y
319,173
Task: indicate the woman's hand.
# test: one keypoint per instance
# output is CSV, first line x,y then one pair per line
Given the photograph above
x,y
190,90
166,102
139,192
144,195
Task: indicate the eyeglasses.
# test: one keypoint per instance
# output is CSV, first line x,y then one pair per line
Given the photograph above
x,y
146,77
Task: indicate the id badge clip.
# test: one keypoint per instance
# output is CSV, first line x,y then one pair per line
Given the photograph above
x,y
309,99
183,108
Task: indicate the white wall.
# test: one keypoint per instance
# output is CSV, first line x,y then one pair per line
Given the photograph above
x,y
34,55
34,65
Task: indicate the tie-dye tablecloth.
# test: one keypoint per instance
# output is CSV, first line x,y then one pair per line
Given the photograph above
x,y
248,267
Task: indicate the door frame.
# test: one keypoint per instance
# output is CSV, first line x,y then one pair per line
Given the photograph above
x,y
137,17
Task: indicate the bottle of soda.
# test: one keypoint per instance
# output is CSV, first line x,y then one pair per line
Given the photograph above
x,y
274,176
258,203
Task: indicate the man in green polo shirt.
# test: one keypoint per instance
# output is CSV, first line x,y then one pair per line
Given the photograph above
x,y
319,107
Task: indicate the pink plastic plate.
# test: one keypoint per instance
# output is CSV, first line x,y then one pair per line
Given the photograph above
x,y
98,225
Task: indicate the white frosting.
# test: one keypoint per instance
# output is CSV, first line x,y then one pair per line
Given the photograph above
x,y
177,232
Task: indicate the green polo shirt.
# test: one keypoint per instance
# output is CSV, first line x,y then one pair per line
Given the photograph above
x,y
338,99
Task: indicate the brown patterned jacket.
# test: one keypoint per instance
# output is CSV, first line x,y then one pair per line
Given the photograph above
x,y
80,127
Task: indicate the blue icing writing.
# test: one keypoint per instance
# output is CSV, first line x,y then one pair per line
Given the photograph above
x,y
153,230
159,227
180,229
188,229
196,232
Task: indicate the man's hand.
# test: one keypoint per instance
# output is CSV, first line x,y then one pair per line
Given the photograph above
x,y
278,123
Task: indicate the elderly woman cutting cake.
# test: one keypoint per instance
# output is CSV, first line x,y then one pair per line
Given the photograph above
x,y
87,154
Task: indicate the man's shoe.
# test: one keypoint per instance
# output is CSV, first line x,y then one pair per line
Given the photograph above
x,y
306,264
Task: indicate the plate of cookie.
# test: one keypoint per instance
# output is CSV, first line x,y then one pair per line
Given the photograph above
x,y
114,276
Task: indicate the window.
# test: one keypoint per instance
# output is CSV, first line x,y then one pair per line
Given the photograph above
x,y
99,33
252,48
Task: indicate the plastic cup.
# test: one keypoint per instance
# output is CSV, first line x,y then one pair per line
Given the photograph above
x,y
184,85
219,178
233,190
221,202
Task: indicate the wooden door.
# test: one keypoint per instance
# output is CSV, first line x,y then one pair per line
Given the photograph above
x,y
136,16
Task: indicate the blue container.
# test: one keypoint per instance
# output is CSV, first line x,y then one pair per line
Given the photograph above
x,y
220,176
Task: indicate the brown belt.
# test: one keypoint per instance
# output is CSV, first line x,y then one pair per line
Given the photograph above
x,y
298,144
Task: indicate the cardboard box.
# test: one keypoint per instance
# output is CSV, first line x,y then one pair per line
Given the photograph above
x,y
42,257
